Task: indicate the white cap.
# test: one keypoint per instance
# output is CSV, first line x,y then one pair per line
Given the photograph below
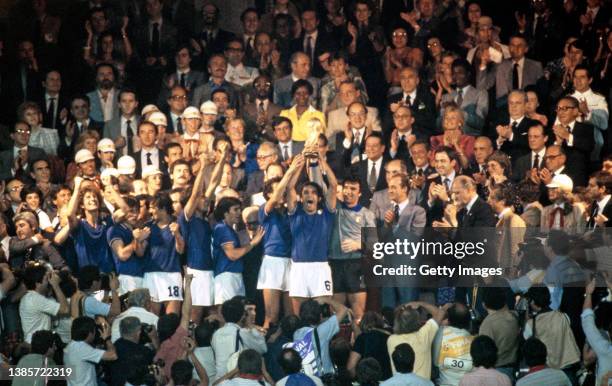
x,y
208,107
158,118
147,109
83,155
563,182
191,112
149,171
126,165
109,172
106,145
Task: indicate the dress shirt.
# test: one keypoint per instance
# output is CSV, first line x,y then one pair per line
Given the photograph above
x,y
570,140
154,156
5,246
422,168
313,42
357,133
412,96
266,102
378,165
179,73
48,101
541,154
159,27
518,121
601,204
133,126
463,92
470,204
107,105
240,74
402,205
286,145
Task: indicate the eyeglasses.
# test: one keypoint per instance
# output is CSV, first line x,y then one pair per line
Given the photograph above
x,y
178,97
399,34
551,156
264,156
267,84
16,188
431,45
20,131
401,116
565,108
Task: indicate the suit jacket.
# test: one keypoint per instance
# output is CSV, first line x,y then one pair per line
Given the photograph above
x,y
475,106
67,151
578,154
573,220
337,121
500,76
112,128
324,43
511,231
6,160
193,79
167,41
423,110
95,108
250,113
203,92
480,215
607,211
161,165
518,146
296,148
380,203
345,155
50,121
360,170
12,91
522,166
532,217
411,220
282,91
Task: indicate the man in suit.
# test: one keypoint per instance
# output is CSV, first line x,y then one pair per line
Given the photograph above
x,y
238,72
403,135
250,26
512,137
149,154
515,73
266,155
17,161
600,191
155,42
576,138
22,83
524,165
401,220
300,69
217,68
122,129
351,141
473,211
184,75
78,122
177,102
337,119
286,147
510,226
313,41
102,100
211,39
436,190
529,195
53,104
473,102
420,101
259,113
370,171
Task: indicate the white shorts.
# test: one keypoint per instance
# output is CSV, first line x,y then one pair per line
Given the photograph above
x,y
164,286
129,283
310,280
228,285
274,273
202,287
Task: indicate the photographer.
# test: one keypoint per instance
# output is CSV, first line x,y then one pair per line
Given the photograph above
x,y
81,356
40,356
139,306
84,302
36,307
28,245
130,351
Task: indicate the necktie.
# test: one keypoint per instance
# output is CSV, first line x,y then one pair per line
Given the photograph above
x,y
149,162
459,97
594,211
396,213
261,109
51,112
514,126
408,101
536,162
155,40
179,126
249,48
515,77
355,146
419,172
309,50
401,143
285,152
183,81
447,184
372,177
130,136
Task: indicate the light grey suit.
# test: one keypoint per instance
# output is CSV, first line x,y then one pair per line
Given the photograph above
x,y
500,76
282,91
475,105
380,204
112,128
296,148
337,121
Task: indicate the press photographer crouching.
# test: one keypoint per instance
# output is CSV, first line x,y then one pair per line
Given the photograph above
x,y
131,352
